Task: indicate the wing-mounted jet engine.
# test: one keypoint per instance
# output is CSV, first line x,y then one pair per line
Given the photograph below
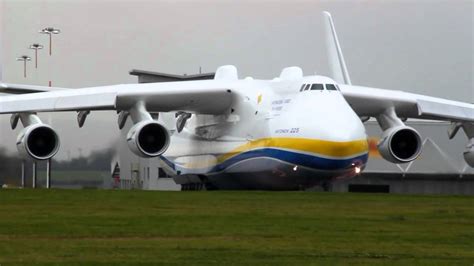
x,y
399,143
147,138
37,141
469,130
469,153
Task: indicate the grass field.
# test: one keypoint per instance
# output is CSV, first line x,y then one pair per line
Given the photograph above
x,y
72,227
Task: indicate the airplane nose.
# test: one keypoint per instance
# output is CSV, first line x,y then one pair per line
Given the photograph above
x,y
342,129
331,118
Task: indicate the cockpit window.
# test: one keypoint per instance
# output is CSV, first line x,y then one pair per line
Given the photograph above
x,y
317,87
331,87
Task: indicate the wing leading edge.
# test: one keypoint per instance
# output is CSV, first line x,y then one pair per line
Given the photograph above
x,y
206,97
25,89
372,102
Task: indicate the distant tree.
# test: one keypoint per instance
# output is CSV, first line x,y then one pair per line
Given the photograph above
x,y
10,168
97,160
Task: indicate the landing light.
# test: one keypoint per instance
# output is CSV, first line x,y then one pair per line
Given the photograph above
x,y
357,169
295,168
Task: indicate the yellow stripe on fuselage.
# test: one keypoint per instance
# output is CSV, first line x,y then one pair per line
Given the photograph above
x,y
325,148
321,147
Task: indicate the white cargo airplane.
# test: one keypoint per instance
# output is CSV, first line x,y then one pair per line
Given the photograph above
x,y
291,132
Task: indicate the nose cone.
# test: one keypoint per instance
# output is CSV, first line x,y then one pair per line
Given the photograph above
x,y
346,139
333,119
340,127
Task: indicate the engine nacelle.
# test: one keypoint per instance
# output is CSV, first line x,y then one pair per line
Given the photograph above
x,y
400,144
469,153
38,141
148,139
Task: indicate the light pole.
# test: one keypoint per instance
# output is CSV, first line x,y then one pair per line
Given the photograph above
x,y
36,47
25,59
50,31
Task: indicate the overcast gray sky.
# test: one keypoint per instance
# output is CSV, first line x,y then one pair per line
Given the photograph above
x,y
420,46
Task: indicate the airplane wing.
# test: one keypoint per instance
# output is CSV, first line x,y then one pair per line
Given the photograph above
x,y
371,102
147,138
25,89
205,97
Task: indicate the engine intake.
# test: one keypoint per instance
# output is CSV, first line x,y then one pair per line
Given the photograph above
x,y
148,139
38,141
400,144
469,153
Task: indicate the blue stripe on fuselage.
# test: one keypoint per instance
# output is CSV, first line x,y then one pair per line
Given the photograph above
x,y
291,157
310,161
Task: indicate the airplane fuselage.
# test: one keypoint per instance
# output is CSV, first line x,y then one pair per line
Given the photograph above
x,y
276,135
